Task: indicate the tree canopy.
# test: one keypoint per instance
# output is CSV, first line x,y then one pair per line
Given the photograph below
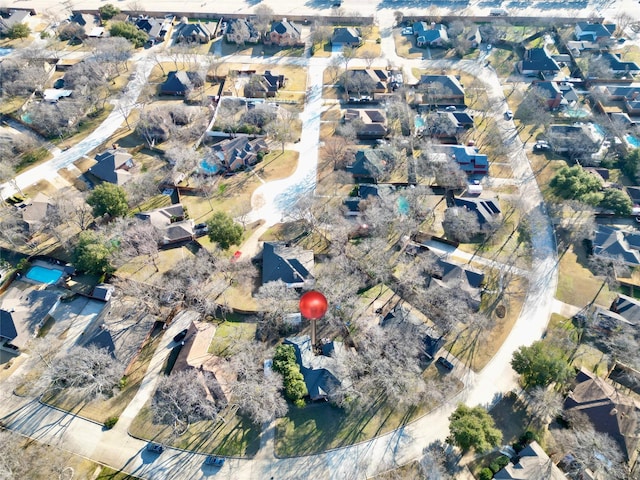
x,y
473,428
223,230
617,201
539,365
108,11
630,164
108,198
19,30
92,254
575,183
129,31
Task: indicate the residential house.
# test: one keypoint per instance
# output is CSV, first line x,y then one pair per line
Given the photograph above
x,y
434,35
614,243
537,61
367,166
467,157
346,37
532,464
320,372
462,120
627,307
241,31
594,32
628,94
194,354
156,28
194,32
14,17
180,83
237,153
103,292
35,212
461,278
86,20
486,209
283,33
288,263
580,140
363,192
618,66
369,123
8,331
474,37
265,85
552,93
113,166
441,90
171,222
576,48
366,80
608,409
52,95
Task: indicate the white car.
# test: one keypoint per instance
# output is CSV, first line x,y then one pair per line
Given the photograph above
x,y
407,31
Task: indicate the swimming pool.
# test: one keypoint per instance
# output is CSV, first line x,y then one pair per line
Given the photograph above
x,y
209,168
419,121
43,274
577,112
599,129
632,141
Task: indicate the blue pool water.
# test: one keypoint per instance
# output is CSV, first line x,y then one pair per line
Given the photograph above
x,y
403,206
209,168
43,275
599,129
419,121
577,113
26,118
633,141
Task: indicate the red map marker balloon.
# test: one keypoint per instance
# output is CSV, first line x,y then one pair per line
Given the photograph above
x,y
313,305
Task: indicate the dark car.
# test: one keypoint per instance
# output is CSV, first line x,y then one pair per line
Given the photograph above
x,y
155,448
200,226
215,461
180,336
444,363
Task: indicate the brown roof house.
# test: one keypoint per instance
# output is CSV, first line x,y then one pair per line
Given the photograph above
x,y
533,464
265,85
194,354
236,153
369,123
609,411
180,83
35,212
113,166
283,33
291,264
171,221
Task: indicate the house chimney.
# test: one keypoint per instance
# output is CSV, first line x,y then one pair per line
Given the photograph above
x,y
433,25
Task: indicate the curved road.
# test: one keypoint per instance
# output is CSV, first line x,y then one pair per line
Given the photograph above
x,y
118,449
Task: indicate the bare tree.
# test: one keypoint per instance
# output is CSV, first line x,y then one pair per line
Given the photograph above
x,y
460,224
594,450
336,150
281,129
544,404
185,397
277,300
90,372
258,393
21,458
263,17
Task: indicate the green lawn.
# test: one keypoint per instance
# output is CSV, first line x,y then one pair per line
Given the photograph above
x,y
228,334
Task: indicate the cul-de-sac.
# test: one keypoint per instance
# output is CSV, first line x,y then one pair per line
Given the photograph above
x,y
319,239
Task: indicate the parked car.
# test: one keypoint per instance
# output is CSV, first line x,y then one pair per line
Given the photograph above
x,y
451,108
508,115
407,31
180,336
155,448
541,147
489,47
444,363
215,461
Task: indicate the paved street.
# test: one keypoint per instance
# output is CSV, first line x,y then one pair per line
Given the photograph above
x,y
119,450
